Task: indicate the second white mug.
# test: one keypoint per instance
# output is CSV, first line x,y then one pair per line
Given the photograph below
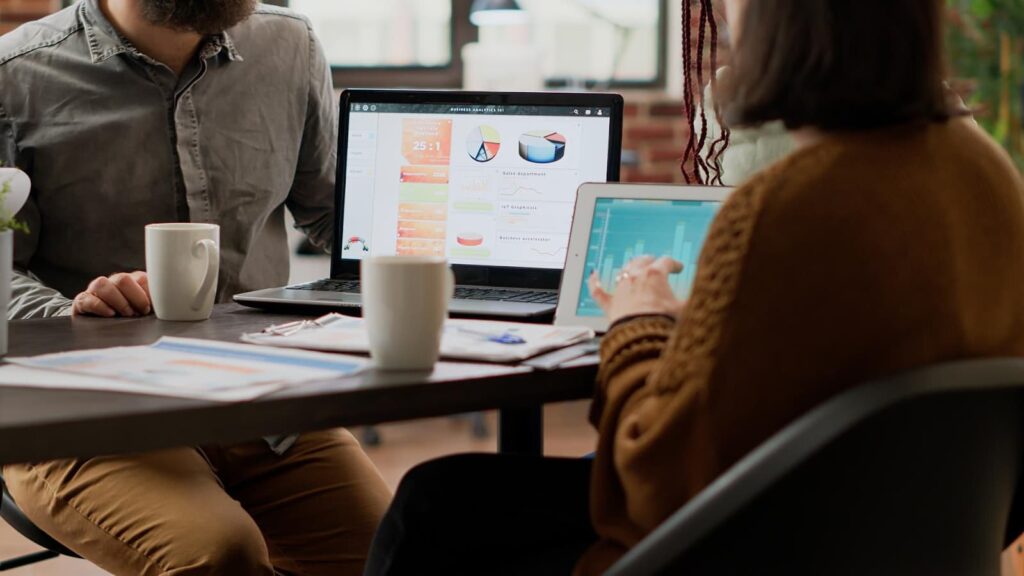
x,y
182,262
405,304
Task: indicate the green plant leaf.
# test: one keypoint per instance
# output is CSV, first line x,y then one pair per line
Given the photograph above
x,y
982,9
8,221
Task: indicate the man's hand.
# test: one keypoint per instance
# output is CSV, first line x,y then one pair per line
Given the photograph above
x,y
119,295
641,288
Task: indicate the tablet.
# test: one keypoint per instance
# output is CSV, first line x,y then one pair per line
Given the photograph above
x,y
615,223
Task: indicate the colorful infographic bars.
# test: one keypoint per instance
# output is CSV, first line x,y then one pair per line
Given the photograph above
x,y
423,193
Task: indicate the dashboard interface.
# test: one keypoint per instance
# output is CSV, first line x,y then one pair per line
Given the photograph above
x,y
479,185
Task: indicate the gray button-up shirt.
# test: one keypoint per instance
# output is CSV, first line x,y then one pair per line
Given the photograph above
x,y
114,140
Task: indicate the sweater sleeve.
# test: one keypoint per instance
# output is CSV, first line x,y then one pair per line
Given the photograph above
x,y
628,353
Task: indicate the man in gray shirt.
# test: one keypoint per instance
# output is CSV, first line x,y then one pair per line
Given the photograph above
x,y
130,112
116,137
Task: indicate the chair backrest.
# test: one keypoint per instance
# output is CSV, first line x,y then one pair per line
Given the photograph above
x,y
919,474
13,515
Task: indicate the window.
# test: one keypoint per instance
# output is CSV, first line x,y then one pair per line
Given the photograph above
x,y
582,43
391,42
587,42
418,43
389,33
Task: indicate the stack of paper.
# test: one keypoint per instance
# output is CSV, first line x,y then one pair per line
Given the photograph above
x,y
179,367
462,339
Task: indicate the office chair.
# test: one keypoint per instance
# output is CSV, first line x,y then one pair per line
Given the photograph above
x,y
13,515
920,474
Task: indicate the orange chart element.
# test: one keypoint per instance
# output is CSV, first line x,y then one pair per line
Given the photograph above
x,y
470,239
424,175
422,211
416,247
427,141
422,230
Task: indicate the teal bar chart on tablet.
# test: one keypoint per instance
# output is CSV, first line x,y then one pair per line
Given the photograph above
x,y
625,229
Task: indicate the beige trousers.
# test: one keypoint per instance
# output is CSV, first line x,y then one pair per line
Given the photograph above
x,y
236,510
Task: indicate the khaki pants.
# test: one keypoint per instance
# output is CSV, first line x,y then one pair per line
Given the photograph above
x,y
237,510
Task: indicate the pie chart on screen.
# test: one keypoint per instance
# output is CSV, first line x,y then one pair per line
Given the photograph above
x,y
542,146
483,143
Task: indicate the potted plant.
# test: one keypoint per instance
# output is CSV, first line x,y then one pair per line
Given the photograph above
x,y
986,43
14,189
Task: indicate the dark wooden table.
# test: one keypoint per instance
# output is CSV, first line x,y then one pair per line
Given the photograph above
x,y
37,424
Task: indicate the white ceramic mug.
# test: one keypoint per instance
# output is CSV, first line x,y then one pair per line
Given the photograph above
x,y
182,261
405,303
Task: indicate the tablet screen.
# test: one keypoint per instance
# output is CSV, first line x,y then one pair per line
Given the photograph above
x,y
623,229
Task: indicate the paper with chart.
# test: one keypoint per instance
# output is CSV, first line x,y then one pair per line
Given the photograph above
x,y
462,339
185,368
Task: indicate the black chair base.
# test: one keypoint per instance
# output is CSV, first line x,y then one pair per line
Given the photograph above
x,y
27,560
13,515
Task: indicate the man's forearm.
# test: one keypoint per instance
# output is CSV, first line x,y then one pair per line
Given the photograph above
x,y
30,298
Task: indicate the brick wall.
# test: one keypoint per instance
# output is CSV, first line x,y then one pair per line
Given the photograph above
x,y
654,131
654,134
13,13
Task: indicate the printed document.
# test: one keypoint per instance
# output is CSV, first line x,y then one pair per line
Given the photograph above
x,y
183,368
462,339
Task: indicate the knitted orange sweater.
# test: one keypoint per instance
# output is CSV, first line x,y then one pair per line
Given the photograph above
x,y
859,257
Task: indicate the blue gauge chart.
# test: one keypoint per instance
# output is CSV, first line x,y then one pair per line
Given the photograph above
x,y
625,229
542,146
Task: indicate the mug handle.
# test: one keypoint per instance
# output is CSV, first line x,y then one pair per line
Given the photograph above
x,y
212,252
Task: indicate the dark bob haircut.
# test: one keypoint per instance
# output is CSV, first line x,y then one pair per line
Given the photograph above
x,y
839,65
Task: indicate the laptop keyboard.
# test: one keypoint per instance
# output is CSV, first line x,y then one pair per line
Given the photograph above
x,y
343,286
461,292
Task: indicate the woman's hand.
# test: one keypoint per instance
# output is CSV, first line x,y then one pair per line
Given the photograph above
x,y
641,288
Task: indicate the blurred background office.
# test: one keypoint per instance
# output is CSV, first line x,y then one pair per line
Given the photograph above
x,y
628,46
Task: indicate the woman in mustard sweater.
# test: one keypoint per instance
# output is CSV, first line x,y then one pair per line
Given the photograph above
x,y
891,238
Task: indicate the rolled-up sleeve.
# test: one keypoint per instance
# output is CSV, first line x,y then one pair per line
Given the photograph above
x,y
30,298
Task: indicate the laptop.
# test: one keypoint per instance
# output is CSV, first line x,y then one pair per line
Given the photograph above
x,y
618,222
486,180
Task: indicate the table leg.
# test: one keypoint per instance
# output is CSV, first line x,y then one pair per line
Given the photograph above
x,y
521,430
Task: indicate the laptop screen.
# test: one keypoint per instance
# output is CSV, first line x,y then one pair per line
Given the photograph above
x,y
623,229
482,185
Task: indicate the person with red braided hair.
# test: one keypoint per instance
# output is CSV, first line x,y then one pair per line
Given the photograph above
x,y
716,154
701,162
892,237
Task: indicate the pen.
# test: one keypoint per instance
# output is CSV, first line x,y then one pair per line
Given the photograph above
x,y
503,338
291,328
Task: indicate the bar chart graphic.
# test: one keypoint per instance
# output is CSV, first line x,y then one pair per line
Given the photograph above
x,y
483,143
625,229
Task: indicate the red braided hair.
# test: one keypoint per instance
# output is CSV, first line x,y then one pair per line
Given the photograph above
x,y
700,165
